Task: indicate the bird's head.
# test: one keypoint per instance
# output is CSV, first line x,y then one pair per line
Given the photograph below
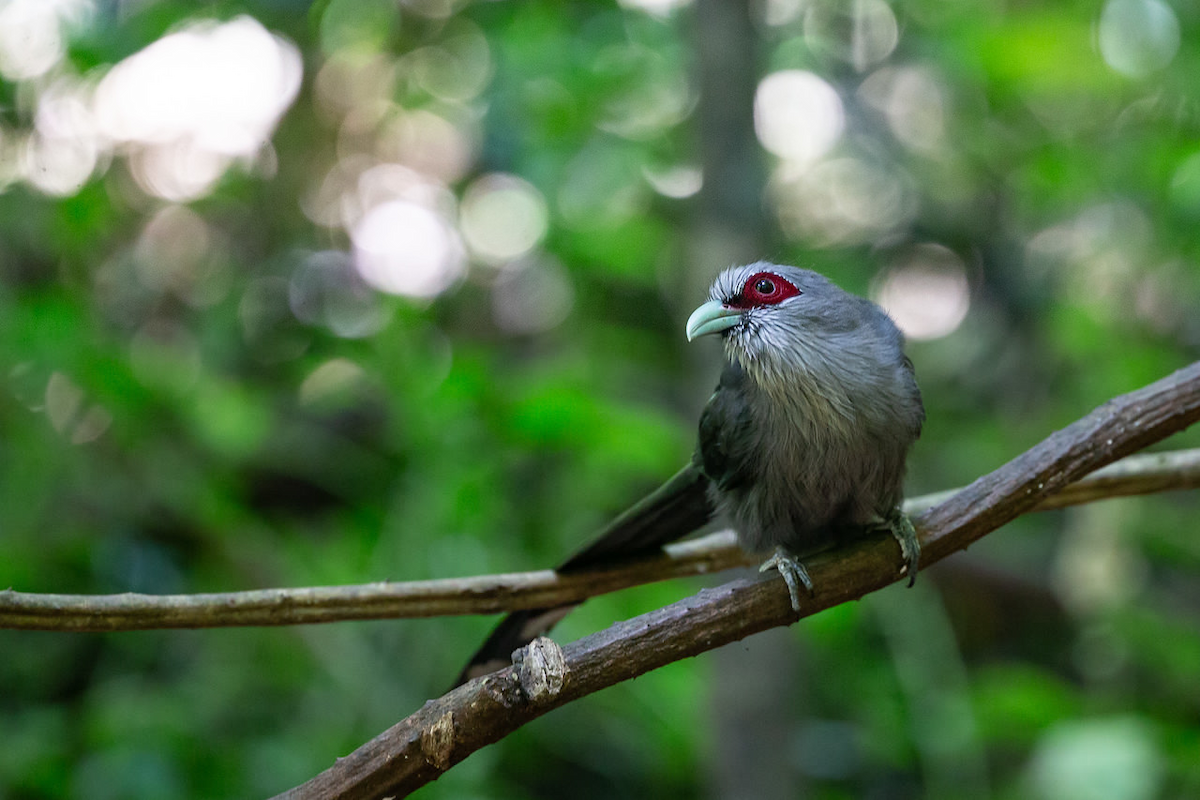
x,y
775,317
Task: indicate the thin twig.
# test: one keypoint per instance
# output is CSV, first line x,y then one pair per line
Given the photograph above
x,y
491,594
446,730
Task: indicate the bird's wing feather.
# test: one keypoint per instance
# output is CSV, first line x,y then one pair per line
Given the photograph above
x,y
675,509
724,444
670,512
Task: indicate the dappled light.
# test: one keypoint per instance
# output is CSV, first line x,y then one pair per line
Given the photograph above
x,y
1096,257
70,413
325,289
330,382
841,201
656,7
925,291
33,34
195,100
58,165
675,182
1100,756
860,33
1138,37
403,247
532,296
178,253
427,143
455,71
798,115
221,87
913,101
502,217
183,110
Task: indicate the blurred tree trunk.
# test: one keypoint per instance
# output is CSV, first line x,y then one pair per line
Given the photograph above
x,y
729,225
755,682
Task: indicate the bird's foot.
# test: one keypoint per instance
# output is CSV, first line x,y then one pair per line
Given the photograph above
x,y
902,530
793,572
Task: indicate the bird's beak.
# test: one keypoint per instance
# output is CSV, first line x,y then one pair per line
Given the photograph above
x,y
712,317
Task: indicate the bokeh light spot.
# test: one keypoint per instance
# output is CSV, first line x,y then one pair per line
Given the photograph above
x,y
1185,186
178,253
325,289
63,401
195,100
401,247
172,244
1094,258
31,34
533,297
912,100
57,165
656,94
502,217
858,32
331,382
926,292
603,186
357,26
65,148
676,182
350,81
1137,37
457,69
381,183
427,143
1096,757
841,201
68,414
658,8
797,115
433,9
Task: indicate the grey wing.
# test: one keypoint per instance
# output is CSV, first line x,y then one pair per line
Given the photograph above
x,y
725,450
672,511
917,420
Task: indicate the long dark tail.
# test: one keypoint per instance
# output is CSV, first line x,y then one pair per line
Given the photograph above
x,y
672,511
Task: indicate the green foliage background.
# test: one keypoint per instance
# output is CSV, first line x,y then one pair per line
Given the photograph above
x,y
209,436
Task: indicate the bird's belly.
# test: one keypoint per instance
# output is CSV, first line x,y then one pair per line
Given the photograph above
x,y
806,505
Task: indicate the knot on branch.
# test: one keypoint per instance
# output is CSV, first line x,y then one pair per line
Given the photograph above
x,y
437,741
541,669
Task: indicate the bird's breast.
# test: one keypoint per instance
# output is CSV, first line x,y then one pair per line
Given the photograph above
x,y
823,466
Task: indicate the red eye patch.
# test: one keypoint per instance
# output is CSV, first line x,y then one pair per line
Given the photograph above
x,y
763,289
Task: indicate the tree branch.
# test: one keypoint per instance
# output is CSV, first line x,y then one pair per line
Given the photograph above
x,y
491,594
420,748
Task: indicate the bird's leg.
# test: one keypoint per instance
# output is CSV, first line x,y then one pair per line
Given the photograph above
x,y
902,530
793,572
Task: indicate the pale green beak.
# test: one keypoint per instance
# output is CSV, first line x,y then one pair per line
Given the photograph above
x,y
712,317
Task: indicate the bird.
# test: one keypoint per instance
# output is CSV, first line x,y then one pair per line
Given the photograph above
x,y
802,445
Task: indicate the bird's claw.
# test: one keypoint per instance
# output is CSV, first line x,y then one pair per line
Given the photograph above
x,y
793,572
901,528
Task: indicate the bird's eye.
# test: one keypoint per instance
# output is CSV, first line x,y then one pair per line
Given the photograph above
x,y
764,289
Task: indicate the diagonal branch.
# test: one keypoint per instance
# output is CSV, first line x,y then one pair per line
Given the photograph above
x,y
420,748
490,594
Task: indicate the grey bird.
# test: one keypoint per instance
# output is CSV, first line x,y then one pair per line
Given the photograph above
x,y
802,445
